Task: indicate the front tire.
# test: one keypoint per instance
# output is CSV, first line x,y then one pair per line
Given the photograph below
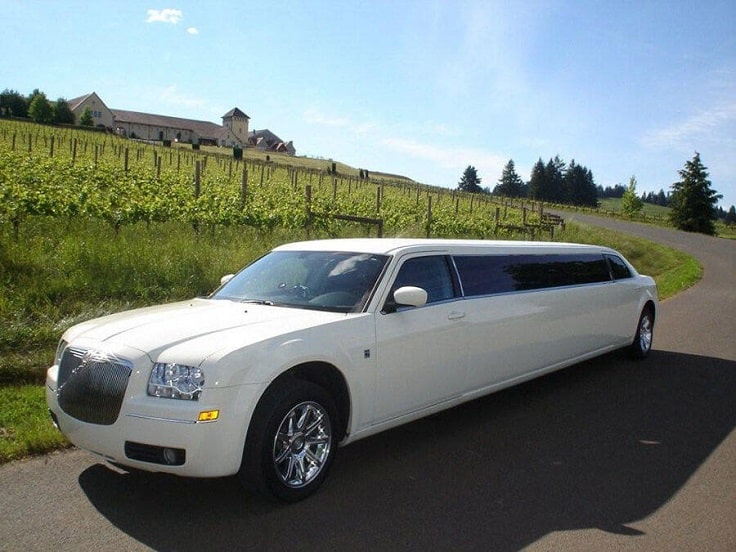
x,y
642,344
291,441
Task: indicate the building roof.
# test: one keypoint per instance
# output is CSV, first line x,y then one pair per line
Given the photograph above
x,y
265,134
235,112
75,102
205,129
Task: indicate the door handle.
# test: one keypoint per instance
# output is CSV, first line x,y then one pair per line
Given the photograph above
x,y
456,315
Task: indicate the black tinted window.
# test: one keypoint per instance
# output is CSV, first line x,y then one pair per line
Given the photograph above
x,y
483,275
429,273
618,267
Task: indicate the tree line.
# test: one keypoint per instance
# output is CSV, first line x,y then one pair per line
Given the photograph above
x,y
554,182
38,108
692,201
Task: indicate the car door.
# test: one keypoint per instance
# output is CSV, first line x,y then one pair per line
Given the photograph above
x,y
421,350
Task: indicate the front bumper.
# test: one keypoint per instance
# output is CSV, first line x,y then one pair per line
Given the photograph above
x,y
211,448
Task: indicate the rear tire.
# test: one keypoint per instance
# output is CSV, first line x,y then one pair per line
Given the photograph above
x,y
642,344
291,441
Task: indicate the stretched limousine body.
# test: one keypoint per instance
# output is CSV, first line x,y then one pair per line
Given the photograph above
x,y
321,343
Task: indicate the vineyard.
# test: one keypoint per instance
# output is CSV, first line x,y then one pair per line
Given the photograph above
x,y
92,224
68,173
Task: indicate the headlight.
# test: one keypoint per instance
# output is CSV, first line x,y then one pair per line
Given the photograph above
x,y
175,381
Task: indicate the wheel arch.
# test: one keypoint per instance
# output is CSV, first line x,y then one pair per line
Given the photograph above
x,y
649,305
329,378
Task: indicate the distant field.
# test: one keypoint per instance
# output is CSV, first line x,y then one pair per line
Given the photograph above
x,y
302,162
614,204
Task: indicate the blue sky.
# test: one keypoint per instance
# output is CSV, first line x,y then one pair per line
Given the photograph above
x,y
419,88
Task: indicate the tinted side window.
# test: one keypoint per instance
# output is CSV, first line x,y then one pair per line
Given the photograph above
x,y
429,273
482,275
618,267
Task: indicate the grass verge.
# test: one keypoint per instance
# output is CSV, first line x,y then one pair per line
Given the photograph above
x,y
57,275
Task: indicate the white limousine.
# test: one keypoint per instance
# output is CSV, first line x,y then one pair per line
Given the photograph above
x,y
320,343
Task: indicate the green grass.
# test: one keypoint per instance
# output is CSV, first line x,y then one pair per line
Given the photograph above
x,y
25,424
650,210
62,272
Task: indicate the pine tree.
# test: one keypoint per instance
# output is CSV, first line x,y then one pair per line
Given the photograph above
x,y
554,173
470,182
510,184
731,216
537,181
631,204
578,186
693,201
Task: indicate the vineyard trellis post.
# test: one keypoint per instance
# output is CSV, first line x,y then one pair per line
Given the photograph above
x,y
244,187
308,221
429,215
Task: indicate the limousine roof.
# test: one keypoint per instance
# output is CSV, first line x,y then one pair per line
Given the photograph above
x,y
392,246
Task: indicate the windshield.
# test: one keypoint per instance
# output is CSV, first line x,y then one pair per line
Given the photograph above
x,y
326,280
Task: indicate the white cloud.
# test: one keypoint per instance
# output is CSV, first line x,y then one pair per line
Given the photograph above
x,y
167,15
449,157
316,117
172,96
193,31
698,127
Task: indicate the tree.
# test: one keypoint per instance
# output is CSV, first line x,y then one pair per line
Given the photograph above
x,y
631,204
86,119
470,182
510,184
731,216
578,186
693,201
40,109
13,104
537,181
63,113
554,173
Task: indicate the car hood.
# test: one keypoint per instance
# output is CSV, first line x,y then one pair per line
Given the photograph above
x,y
209,324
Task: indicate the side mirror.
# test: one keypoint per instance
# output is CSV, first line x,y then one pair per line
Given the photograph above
x,y
225,279
409,296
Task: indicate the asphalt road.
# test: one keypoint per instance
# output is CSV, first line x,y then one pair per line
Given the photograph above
x,y
607,455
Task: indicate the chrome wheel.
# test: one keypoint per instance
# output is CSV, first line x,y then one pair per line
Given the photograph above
x,y
645,333
642,344
302,444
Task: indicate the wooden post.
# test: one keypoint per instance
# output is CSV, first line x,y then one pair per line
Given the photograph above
x,y
244,187
197,188
308,222
125,162
429,215
51,147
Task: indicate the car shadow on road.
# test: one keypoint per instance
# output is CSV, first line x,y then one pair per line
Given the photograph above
x,y
599,445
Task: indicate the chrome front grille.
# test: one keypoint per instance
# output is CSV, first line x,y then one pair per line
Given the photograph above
x,y
92,385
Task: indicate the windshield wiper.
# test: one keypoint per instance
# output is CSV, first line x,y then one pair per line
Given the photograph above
x,y
258,302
